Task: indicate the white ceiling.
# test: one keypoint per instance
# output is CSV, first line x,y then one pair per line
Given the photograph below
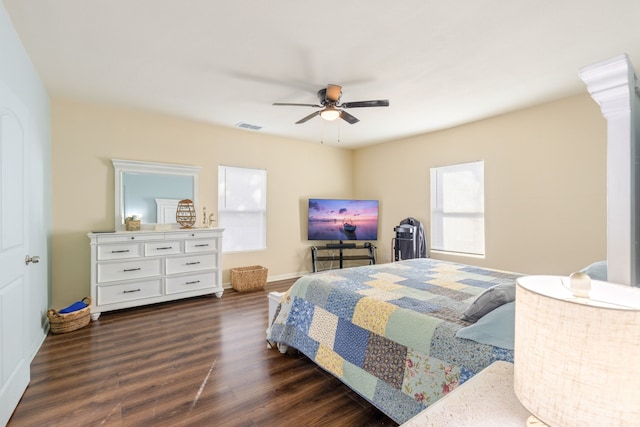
x,y
440,64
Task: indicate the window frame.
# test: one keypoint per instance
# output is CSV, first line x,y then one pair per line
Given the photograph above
x,y
450,243
230,216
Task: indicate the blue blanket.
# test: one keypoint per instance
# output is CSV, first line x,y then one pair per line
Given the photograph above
x,y
388,330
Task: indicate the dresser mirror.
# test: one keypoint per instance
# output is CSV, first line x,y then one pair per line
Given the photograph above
x,y
150,192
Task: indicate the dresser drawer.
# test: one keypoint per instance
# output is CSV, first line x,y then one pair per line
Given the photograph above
x,y
136,269
192,282
193,234
162,248
131,250
186,264
200,245
126,237
111,294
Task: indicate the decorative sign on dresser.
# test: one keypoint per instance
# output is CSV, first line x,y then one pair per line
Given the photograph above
x,y
129,269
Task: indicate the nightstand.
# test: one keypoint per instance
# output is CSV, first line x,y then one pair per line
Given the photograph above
x,y
486,400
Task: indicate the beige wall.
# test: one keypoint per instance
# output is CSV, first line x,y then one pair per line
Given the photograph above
x,y
85,137
545,184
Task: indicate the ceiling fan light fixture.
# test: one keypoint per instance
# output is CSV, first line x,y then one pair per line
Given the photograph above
x,y
329,99
330,114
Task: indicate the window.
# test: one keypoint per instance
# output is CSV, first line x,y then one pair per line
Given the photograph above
x,y
457,208
242,208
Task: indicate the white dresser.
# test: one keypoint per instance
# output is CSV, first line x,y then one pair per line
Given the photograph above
x,y
133,268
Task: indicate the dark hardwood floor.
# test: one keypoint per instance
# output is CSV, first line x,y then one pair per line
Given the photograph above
x,y
197,362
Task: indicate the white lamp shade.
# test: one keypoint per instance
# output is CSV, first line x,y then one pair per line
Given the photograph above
x,y
330,113
577,361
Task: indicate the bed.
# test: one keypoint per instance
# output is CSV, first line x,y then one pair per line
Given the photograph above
x,y
389,331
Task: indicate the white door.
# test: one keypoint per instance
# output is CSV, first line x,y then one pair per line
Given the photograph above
x,y
14,272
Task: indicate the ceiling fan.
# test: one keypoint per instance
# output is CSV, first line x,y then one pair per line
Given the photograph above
x,y
331,108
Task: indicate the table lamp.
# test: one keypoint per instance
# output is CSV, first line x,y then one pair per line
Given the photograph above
x,y
577,354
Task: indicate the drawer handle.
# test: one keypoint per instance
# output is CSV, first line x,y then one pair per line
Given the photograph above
x,y
193,282
193,263
202,246
133,269
120,251
131,291
165,247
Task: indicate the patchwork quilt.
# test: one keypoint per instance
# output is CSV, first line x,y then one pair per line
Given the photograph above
x,y
388,330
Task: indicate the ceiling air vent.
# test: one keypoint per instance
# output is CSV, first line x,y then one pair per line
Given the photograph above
x,y
248,126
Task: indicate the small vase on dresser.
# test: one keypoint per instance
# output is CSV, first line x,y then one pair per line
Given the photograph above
x,y
130,269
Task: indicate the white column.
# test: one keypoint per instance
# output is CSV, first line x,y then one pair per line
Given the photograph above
x,y
613,84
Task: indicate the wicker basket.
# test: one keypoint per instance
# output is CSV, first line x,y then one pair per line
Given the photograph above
x,y
67,322
249,278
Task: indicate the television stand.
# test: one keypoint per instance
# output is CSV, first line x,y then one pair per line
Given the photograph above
x,y
340,245
367,252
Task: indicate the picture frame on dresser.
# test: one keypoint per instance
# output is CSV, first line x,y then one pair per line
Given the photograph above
x,y
135,268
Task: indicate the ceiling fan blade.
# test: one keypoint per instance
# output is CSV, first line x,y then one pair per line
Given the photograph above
x,y
333,93
297,105
296,84
357,104
348,117
309,117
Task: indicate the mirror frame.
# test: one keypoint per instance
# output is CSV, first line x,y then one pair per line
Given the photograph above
x,y
133,166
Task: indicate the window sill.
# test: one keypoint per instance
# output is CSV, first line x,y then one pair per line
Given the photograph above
x,y
457,254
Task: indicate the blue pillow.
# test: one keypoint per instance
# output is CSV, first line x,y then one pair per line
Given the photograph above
x,y
597,271
495,328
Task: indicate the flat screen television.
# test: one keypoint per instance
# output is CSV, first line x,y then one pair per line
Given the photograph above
x,y
338,219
